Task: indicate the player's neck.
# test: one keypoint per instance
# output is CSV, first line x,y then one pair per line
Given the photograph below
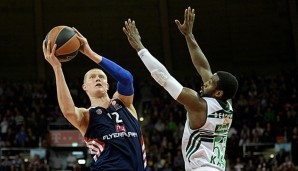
x,y
100,101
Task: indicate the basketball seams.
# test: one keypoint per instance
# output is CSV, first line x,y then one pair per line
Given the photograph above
x,y
66,40
53,34
65,48
62,27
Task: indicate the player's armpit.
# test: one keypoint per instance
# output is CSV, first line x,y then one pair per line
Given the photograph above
x,y
79,119
196,107
126,100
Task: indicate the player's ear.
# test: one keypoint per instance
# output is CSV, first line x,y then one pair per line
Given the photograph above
x,y
219,93
84,87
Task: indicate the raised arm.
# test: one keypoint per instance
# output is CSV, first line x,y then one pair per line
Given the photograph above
x,y
76,116
193,103
197,56
125,89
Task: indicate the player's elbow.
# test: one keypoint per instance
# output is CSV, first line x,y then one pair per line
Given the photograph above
x,y
68,112
127,79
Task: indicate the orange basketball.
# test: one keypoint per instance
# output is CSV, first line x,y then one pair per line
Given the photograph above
x,y
67,42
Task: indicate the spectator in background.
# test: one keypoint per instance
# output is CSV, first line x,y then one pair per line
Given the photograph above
x,y
262,164
160,125
239,166
21,137
37,164
18,163
232,131
2,143
71,161
250,166
287,165
32,140
269,115
249,156
10,138
4,126
244,135
19,119
268,135
56,161
280,157
257,133
6,164
178,161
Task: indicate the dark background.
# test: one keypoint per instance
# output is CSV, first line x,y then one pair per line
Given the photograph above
x,y
240,36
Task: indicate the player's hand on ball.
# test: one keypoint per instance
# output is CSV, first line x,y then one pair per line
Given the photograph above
x,y
133,35
85,48
49,54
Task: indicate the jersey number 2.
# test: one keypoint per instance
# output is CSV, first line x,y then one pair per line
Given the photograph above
x,y
116,117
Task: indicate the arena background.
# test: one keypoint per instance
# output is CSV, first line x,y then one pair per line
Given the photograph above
x,y
239,36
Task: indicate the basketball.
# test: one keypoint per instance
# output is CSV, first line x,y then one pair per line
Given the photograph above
x,y
67,42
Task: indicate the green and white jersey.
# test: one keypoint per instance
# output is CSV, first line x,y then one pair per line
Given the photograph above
x,y
205,147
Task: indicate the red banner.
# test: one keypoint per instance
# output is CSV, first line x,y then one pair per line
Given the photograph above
x,y
69,138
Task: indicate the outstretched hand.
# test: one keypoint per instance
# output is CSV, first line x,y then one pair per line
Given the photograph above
x,y
85,48
133,35
189,18
49,54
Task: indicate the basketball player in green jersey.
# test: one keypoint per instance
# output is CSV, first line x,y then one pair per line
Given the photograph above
x,y
209,112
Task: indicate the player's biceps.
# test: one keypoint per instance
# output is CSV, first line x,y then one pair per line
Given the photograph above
x,y
187,97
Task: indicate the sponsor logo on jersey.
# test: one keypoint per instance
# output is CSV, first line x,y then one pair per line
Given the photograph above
x,y
220,115
120,128
119,135
98,111
222,128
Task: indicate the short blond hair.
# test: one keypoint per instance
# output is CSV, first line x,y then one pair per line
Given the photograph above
x,y
85,76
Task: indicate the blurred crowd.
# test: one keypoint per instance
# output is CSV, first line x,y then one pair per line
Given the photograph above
x,y
265,113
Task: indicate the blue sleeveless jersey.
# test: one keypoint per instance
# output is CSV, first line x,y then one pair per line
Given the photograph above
x,y
114,139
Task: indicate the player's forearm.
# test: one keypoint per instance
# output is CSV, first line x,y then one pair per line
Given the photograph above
x,y
63,94
123,76
160,73
94,57
197,56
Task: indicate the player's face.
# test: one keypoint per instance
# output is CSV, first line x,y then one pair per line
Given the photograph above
x,y
96,82
209,87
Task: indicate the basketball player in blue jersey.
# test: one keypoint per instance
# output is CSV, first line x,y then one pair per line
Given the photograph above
x,y
110,126
209,112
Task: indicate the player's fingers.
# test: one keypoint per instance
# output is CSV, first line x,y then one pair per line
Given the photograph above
x,y
80,35
178,23
193,18
44,49
127,27
135,30
185,15
130,25
193,14
43,45
49,47
125,31
54,49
